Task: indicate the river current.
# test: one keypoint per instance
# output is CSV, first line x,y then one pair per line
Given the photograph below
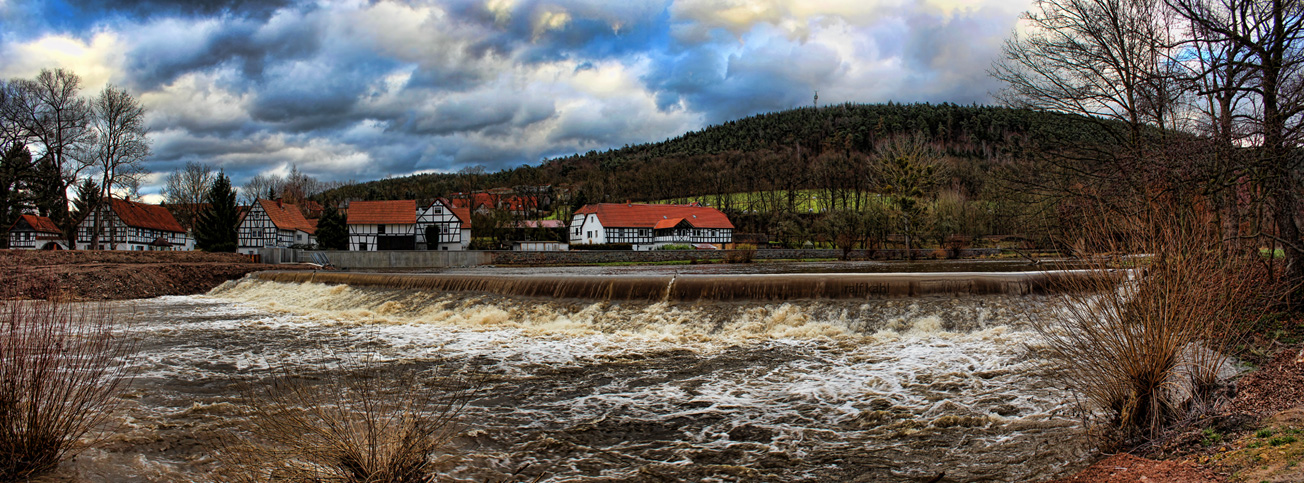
x,y
901,389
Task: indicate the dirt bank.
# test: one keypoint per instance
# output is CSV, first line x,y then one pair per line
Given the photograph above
x,y
117,275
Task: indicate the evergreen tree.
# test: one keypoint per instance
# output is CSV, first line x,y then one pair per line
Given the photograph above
x,y
332,232
215,229
16,174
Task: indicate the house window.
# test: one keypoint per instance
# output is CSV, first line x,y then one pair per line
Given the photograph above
x,y
590,235
362,246
380,229
439,211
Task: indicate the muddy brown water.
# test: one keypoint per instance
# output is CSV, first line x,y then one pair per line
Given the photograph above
x,y
900,389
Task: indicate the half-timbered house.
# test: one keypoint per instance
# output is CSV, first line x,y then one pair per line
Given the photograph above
x,y
128,225
441,226
31,232
382,225
648,227
270,223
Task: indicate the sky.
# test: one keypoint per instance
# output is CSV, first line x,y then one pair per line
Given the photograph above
x,y
362,90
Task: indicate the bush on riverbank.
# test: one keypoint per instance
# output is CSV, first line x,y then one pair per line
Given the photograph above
x,y
61,367
1154,349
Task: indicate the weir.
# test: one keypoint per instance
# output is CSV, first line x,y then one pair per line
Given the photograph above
x,y
698,287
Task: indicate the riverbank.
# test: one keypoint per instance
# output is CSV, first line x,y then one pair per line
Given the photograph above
x,y
118,275
1258,438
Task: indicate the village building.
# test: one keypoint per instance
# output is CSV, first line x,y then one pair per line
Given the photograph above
x,y
382,225
648,227
31,232
441,226
128,225
268,224
483,203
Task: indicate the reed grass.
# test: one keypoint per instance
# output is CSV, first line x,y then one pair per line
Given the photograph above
x,y
62,365
1151,351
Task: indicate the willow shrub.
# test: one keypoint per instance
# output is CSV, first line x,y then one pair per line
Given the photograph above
x,y
61,367
1145,343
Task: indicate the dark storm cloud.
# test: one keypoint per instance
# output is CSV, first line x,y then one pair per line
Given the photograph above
x,y
150,8
491,114
162,54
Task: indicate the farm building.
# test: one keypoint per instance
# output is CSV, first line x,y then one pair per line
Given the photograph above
x,y
441,226
270,223
647,227
382,225
31,232
128,225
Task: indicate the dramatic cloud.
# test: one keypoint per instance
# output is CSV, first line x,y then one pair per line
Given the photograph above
x,y
359,89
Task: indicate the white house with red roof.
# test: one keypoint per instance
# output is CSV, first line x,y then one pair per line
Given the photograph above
x,y
442,226
382,225
31,232
269,223
128,225
648,227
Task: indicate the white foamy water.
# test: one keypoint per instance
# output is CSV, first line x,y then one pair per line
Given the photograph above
x,y
593,391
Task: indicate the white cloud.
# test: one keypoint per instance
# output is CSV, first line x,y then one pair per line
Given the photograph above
x,y
99,61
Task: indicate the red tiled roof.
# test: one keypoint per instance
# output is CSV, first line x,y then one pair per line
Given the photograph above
x,y
622,215
286,216
400,212
39,224
463,214
668,223
140,215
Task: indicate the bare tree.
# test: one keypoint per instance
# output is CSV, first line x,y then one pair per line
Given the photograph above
x,y
261,186
184,190
1270,33
51,114
1093,57
120,146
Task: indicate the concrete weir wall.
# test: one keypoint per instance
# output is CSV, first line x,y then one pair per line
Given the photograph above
x,y
444,259
699,287
381,260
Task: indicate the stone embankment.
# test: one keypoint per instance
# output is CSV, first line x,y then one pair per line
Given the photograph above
x,y
117,275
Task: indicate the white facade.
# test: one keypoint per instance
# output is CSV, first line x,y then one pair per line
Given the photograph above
x,y
35,240
370,238
586,229
452,233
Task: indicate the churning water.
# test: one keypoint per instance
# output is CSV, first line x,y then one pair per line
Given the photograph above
x,y
894,389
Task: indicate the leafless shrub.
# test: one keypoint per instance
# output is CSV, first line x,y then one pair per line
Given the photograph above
x,y
1149,351
365,426
61,366
742,253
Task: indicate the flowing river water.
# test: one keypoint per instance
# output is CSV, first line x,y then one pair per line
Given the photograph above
x,y
893,389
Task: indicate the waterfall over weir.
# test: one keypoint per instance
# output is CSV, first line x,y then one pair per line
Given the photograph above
x,y
716,287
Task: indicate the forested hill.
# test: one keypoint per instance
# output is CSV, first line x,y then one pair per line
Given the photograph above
x,y
773,151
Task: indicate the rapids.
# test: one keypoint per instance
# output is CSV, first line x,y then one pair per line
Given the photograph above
x,y
894,389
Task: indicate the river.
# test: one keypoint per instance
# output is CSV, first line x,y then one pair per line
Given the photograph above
x,y
898,389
